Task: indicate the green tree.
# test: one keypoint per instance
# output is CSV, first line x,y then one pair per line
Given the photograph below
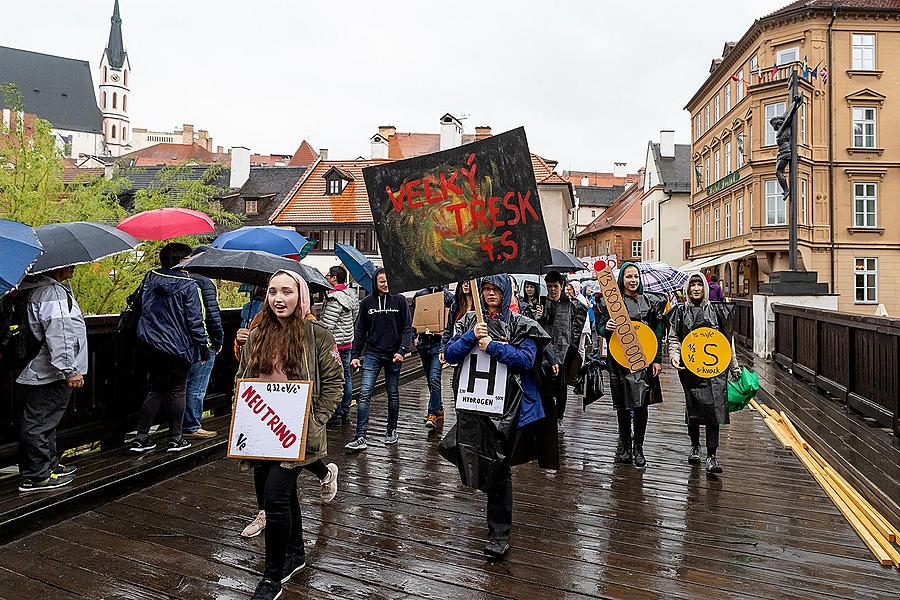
x,y
32,191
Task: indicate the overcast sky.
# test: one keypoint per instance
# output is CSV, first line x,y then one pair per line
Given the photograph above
x,y
591,81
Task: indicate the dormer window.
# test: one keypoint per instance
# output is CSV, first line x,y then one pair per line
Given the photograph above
x,y
336,181
251,207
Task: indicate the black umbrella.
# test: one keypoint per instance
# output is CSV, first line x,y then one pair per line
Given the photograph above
x,y
69,244
251,266
563,262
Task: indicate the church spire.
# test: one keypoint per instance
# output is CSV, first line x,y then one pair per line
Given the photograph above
x,y
115,49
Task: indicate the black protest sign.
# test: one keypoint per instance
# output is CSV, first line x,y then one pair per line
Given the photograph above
x,y
461,213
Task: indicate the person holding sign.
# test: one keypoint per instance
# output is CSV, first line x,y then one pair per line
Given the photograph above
x,y
286,346
501,418
634,391
696,330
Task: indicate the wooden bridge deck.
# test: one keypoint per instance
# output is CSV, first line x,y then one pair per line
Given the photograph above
x,y
403,527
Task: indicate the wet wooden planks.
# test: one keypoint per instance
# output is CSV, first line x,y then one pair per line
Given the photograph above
x,y
403,527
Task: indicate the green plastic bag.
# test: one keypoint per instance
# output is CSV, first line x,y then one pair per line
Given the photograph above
x,y
742,390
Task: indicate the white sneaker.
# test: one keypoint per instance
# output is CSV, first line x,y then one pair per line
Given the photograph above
x,y
391,437
329,484
256,526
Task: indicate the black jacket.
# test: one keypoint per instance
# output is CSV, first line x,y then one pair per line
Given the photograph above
x,y
213,316
172,316
384,327
563,320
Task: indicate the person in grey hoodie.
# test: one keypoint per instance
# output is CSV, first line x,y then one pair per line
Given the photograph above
x,y
338,315
45,385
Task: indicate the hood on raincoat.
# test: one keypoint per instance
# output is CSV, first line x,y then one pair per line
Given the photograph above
x,y
687,284
502,282
621,279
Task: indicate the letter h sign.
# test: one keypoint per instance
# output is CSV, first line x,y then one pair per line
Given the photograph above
x,y
490,375
482,384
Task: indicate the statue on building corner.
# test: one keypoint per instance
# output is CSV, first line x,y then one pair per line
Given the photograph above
x,y
783,124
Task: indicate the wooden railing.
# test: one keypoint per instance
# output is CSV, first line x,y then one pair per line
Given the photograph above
x,y
106,408
855,358
743,322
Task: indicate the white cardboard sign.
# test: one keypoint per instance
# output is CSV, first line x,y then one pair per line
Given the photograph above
x,y
269,420
482,384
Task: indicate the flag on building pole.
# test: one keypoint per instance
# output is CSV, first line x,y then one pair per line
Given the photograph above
x,y
805,66
824,74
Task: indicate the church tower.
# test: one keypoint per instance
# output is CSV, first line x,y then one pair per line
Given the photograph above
x,y
115,72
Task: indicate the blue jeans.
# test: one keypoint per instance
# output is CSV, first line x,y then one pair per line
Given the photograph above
x,y
371,367
431,364
343,409
197,382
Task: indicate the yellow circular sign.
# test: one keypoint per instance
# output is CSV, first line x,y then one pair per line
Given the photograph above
x,y
646,341
705,352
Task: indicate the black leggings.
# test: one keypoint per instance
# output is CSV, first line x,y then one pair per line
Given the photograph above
x,y
640,424
317,468
712,435
284,524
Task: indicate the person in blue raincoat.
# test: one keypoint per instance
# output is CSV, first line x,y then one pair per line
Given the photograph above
x,y
632,393
482,446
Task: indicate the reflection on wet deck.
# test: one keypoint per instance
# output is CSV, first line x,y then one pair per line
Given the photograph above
x,y
403,527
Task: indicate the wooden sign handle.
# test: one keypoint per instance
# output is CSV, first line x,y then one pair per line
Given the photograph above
x,y
476,300
618,314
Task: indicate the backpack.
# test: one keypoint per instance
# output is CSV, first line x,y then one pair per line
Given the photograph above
x,y
18,344
128,319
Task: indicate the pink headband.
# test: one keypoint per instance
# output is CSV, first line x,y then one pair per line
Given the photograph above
x,y
302,287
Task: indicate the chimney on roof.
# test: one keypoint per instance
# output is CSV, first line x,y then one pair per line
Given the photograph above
x,y
240,166
482,131
451,132
378,145
323,153
219,149
585,181
203,139
667,143
386,131
619,169
187,134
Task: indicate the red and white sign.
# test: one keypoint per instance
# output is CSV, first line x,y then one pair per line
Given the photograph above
x,y
269,420
609,260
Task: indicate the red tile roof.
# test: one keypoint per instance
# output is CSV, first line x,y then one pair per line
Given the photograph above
x,y
173,154
308,203
625,212
828,4
305,156
600,179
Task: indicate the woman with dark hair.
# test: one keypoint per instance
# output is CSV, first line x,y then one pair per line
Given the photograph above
x,y
632,393
530,299
462,303
706,399
286,346
484,446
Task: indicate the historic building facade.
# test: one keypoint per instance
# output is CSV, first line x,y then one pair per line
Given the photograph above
x,y
848,56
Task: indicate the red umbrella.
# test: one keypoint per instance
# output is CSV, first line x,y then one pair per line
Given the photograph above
x,y
165,223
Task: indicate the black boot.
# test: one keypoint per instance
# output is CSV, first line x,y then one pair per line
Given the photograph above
x,y
712,465
639,460
624,453
694,456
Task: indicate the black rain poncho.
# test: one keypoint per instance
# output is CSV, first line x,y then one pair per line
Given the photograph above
x,y
634,390
706,400
479,444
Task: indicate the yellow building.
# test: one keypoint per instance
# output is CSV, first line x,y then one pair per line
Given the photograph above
x,y
848,146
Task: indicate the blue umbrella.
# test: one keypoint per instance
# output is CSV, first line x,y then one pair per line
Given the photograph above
x,y
19,247
361,268
266,238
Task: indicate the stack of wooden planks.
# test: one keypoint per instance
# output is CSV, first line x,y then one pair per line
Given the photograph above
x,y
877,533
